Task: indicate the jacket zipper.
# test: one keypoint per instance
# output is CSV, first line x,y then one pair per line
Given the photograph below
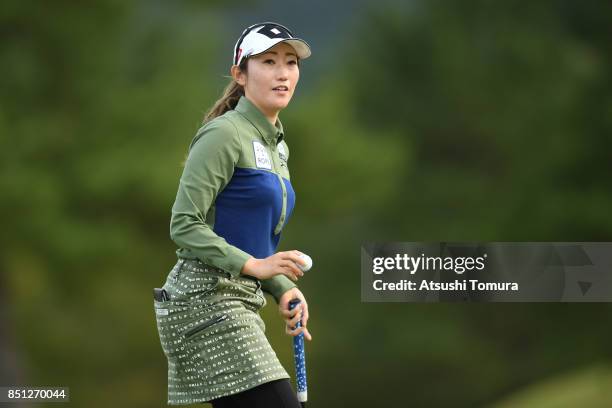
x,y
281,221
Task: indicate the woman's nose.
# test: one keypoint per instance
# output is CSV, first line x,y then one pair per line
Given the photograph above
x,y
282,72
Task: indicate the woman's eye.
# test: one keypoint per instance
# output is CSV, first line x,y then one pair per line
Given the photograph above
x,y
269,61
292,62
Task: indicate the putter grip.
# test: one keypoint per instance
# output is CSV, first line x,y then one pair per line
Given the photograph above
x,y
300,360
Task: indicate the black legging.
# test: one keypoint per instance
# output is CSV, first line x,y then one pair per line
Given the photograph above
x,y
274,394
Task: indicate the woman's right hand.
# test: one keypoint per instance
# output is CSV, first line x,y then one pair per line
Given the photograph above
x,y
281,263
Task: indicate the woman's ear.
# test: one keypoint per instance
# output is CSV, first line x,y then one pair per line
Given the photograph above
x,y
238,75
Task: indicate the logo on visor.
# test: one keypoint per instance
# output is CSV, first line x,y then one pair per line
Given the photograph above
x,y
239,54
274,31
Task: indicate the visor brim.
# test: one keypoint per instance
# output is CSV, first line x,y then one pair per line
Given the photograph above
x,y
300,46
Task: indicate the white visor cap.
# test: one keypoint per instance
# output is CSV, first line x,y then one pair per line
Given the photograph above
x,y
263,36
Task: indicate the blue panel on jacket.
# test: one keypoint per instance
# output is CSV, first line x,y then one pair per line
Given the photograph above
x,y
249,208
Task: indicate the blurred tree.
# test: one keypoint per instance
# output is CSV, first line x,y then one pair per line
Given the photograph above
x,y
444,121
493,118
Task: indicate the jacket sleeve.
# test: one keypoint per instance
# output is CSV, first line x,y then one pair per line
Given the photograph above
x,y
277,285
213,153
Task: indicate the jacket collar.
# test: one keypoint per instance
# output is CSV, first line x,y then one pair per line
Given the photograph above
x,y
272,134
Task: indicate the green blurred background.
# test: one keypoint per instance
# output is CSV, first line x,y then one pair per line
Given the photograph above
x,y
413,121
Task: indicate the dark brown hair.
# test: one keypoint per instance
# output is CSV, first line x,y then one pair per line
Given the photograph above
x,y
228,101
231,94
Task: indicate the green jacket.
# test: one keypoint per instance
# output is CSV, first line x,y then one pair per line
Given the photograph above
x,y
235,194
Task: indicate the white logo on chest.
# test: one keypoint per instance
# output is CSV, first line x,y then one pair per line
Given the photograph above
x,y
262,158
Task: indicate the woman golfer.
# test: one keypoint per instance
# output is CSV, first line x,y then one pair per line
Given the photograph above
x,y
233,200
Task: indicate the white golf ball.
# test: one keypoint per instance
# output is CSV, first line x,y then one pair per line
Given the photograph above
x,y
308,261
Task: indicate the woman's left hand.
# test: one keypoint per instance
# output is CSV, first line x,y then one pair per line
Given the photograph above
x,y
292,317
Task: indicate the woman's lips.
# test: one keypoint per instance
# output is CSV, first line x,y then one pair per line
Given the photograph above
x,y
281,89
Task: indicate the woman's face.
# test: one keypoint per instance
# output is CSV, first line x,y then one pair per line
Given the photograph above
x,y
271,78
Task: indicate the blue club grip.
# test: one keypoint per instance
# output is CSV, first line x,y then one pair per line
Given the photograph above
x,y
299,356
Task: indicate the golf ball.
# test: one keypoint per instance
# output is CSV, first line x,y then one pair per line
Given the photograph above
x,y
308,261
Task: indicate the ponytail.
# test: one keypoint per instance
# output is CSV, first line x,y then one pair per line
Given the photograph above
x,y
228,101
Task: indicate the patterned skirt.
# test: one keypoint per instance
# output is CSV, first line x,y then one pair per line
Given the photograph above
x,y
212,335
